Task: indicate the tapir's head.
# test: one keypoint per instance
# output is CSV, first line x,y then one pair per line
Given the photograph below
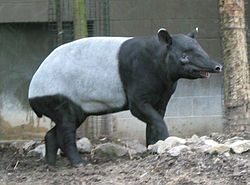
x,y
185,57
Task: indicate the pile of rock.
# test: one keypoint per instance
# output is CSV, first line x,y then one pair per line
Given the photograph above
x,y
110,150
174,146
83,145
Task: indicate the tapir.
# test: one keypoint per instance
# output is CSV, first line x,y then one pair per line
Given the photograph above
x,y
100,75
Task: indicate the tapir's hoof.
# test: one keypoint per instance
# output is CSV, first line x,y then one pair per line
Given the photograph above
x,y
79,165
50,163
50,167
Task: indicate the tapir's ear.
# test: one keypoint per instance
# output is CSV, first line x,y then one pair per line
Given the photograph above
x,y
164,36
193,34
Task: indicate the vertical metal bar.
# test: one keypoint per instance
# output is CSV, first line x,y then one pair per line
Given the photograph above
x,y
95,22
107,18
59,22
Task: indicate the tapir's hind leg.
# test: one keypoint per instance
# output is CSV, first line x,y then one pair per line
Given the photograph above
x,y
66,137
68,116
51,146
62,135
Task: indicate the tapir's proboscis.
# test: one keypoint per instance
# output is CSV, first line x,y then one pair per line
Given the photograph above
x,y
100,75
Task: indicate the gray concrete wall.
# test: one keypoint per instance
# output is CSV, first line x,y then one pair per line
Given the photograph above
x,y
22,48
23,11
16,11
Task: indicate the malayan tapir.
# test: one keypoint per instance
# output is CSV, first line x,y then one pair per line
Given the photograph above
x,y
99,75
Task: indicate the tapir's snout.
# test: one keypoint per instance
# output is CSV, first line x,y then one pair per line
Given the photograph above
x,y
210,66
205,70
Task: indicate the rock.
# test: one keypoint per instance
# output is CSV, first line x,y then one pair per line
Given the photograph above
x,y
29,145
217,136
218,149
227,154
193,139
201,142
204,144
38,151
175,151
203,138
240,146
18,145
84,145
210,142
155,146
135,147
162,146
110,150
232,140
174,141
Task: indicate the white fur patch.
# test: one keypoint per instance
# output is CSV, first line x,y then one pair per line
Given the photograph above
x,y
86,71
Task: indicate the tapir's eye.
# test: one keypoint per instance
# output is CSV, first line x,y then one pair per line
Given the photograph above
x,y
184,59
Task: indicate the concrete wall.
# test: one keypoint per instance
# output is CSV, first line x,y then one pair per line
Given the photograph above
x,y
23,11
22,48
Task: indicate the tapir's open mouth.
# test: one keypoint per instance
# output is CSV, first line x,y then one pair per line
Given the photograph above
x,y
204,74
200,74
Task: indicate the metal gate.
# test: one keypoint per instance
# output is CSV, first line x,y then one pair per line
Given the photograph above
x,y
61,17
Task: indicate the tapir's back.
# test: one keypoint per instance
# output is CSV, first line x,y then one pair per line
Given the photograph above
x,y
85,71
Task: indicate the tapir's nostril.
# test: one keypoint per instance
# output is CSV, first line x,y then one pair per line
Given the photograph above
x,y
218,68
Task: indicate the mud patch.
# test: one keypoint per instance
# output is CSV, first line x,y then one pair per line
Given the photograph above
x,y
24,131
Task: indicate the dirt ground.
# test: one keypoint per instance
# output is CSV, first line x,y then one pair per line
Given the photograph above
x,y
188,168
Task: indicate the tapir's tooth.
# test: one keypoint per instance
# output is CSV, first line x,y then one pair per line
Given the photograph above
x,y
204,73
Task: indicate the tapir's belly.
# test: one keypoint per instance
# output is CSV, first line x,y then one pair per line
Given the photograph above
x,y
85,71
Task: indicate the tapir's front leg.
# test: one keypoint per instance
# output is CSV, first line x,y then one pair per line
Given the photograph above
x,y
156,128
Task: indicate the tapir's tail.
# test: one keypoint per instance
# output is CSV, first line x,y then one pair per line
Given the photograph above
x,y
34,105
